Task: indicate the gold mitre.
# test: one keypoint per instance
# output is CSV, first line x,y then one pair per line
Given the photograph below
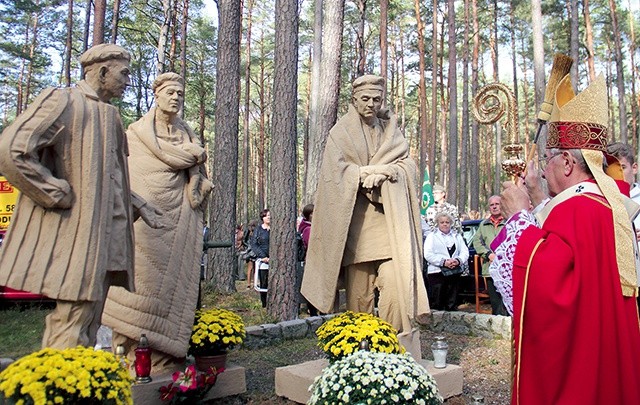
x,y
579,121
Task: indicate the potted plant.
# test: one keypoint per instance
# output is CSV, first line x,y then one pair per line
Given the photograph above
x,y
375,378
342,335
214,332
190,386
79,375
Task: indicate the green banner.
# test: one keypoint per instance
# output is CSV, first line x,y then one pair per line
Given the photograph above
x,y
427,193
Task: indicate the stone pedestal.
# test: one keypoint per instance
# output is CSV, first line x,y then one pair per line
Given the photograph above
x,y
231,382
293,382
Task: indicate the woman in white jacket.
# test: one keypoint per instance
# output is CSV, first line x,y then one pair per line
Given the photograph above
x,y
445,252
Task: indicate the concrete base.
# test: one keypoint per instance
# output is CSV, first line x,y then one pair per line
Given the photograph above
x,y
231,382
293,382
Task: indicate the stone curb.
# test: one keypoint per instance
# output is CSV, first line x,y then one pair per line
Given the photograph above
x,y
460,323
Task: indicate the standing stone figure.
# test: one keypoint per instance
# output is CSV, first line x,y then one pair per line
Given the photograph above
x,y
71,236
166,162
366,222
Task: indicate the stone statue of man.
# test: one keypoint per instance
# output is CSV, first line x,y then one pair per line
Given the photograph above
x,y
166,162
366,223
71,235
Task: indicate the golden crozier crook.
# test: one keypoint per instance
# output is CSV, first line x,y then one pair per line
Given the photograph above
x,y
488,107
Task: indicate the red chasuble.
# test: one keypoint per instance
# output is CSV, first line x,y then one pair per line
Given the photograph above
x,y
577,338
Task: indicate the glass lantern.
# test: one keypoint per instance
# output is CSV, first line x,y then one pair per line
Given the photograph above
x,y
439,349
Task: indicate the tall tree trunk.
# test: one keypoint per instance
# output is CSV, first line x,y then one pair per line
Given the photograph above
x,y
68,44
622,108
225,154
262,152
588,31
496,77
87,26
314,96
32,50
173,29
434,92
403,114
384,9
247,105
525,88
538,52
634,99
327,108
282,298
612,114
164,36
422,92
360,50
116,21
183,46
514,55
99,11
464,136
452,186
474,169
444,108
574,41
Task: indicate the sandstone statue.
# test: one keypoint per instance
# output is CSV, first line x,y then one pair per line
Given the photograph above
x,y
71,235
167,169
366,222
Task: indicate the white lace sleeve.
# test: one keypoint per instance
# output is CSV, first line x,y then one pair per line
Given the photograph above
x,y
501,269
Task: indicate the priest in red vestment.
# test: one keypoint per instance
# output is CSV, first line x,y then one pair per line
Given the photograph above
x,y
570,270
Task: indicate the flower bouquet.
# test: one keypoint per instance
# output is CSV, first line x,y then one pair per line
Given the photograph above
x,y
215,331
374,378
342,335
189,386
79,375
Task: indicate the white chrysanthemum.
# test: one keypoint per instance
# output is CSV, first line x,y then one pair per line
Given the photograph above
x,y
366,377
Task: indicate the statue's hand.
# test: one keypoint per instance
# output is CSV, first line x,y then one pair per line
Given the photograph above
x,y
151,216
390,171
197,151
373,180
387,171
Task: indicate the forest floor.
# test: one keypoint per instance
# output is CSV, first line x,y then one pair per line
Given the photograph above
x,y
485,362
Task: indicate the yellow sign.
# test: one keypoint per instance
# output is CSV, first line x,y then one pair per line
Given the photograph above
x,y
8,198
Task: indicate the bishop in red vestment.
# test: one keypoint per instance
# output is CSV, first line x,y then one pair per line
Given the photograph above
x,y
570,270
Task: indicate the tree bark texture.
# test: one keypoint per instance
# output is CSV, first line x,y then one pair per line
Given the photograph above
x,y
434,93
314,102
574,41
225,154
384,9
588,33
452,160
538,52
422,93
164,36
464,135
247,105
474,164
67,50
282,298
115,21
99,10
327,107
